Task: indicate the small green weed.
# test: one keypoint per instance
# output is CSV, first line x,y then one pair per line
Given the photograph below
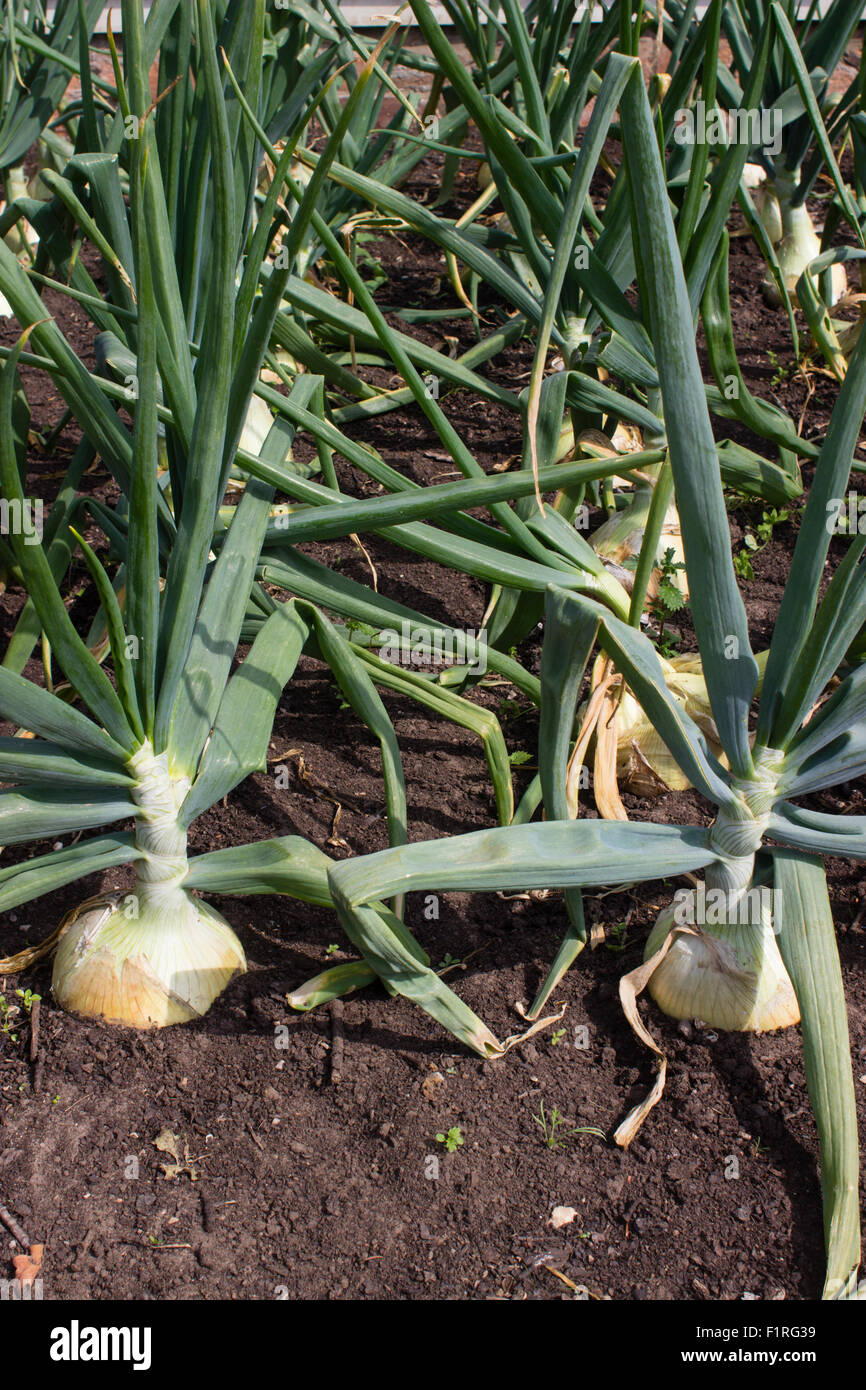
x,y
552,1128
453,1140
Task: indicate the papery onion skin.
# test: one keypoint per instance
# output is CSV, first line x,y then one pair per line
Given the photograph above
x,y
620,538
162,967
731,976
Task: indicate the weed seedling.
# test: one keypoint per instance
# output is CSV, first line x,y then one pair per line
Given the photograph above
x,y
668,600
754,542
7,1015
448,962
452,1140
780,371
508,709
742,563
616,937
552,1128
519,757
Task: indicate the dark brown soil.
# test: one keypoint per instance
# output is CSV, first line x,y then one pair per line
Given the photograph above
x,y
301,1188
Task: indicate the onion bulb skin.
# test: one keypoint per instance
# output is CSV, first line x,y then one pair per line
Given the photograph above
x,y
731,975
127,960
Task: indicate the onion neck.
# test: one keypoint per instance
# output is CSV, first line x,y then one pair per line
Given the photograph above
x,y
797,224
159,837
785,187
575,340
737,833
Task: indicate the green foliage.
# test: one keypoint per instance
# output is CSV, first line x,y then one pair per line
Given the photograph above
x,y
669,599
755,542
196,566
452,1139
8,1014
616,937
553,1128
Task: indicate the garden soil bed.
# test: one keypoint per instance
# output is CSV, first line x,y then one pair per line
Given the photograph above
x,y
300,1186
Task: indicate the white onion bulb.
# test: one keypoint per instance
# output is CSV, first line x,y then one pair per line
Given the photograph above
x,y
166,965
731,976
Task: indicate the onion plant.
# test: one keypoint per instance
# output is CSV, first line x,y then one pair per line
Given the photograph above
x,y
795,95
166,738
835,338
39,54
760,832
543,539
174,730
619,339
154,721
583,264
544,183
